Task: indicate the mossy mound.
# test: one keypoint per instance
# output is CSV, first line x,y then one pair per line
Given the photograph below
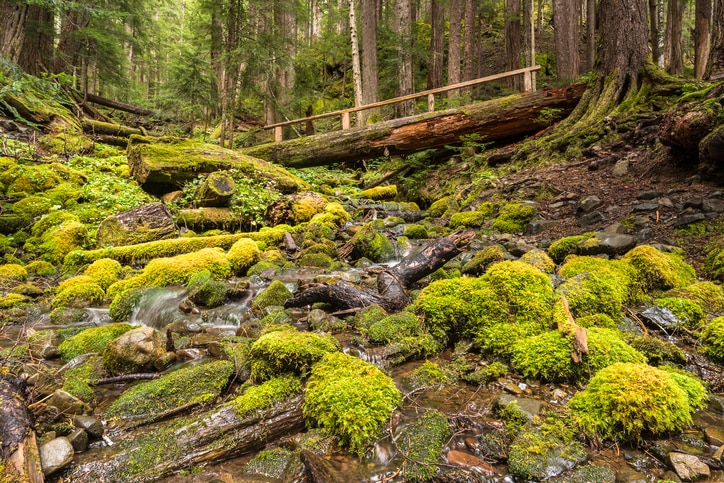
x,y
689,313
105,272
77,380
416,232
349,398
265,395
205,291
59,241
423,441
445,206
288,351
369,243
565,246
162,272
596,286
32,207
12,274
548,356
712,339
78,292
656,270
656,350
393,327
539,259
708,295
427,375
624,401
197,384
274,295
483,259
513,217
315,260
242,255
91,340
714,262
365,317
472,219
379,193
295,208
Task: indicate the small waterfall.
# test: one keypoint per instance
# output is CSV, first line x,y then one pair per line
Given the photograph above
x,y
159,307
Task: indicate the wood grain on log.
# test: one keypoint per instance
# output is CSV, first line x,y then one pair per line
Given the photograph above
x,y
19,448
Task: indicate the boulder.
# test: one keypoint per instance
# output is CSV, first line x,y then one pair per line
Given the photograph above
x,y
90,424
688,466
295,208
67,403
56,454
79,440
143,224
137,350
607,243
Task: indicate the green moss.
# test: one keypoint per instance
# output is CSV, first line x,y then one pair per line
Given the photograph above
x,y
707,294
288,351
261,267
656,350
569,245
59,241
392,327
205,291
428,374
242,255
315,260
693,388
513,218
596,320
468,219
624,401
423,441
12,274
379,193
78,292
365,317
197,384
689,313
443,207
712,339
416,232
350,398
105,272
77,381
483,259
90,340
32,207
657,270
525,290
411,348
492,372
271,463
41,268
266,395
274,295
596,286
539,259
368,243
236,350
714,262
177,270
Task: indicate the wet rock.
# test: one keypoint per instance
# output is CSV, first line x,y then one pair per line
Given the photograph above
x,y
644,207
688,467
645,234
529,407
79,440
90,424
461,458
714,435
319,320
648,195
693,202
687,219
190,354
591,219
626,474
55,455
616,228
511,388
606,243
712,206
660,317
44,344
589,204
184,327
67,403
203,340
538,226
137,350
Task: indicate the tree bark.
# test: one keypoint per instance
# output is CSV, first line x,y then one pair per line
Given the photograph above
x,y
512,40
20,453
356,67
715,70
391,283
566,14
702,37
121,106
405,79
13,21
673,56
437,43
216,190
69,48
469,56
91,126
36,56
654,31
503,119
370,91
453,48
590,34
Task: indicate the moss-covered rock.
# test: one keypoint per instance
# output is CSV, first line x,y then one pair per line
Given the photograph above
x,y
483,259
369,243
513,217
468,219
78,292
423,441
656,350
350,398
266,394
242,255
416,232
707,294
625,400
59,241
90,340
178,270
295,208
411,348
197,384
105,272
205,291
570,245
274,295
288,351
689,313
365,317
32,207
393,327
12,274
445,206
78,380
712,339
656,270
539,259
427,375
137,350
388,192
273,463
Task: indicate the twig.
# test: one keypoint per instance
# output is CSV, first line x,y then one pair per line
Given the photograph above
x,y
164,415
126,378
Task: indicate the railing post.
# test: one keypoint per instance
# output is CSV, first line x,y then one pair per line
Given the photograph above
x,y
345,120
278,134
430,102
527,81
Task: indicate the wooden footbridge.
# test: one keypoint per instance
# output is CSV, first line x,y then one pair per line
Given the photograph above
x,y
507,118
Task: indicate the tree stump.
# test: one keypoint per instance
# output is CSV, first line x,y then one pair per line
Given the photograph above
x,y
143,224
216,190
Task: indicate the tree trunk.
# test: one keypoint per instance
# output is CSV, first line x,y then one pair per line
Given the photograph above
x,y
469,56
716,56
91,126
512,41
405,79
508,118
437,44
590,34
121,106
654,31
20,456
391,283
673,56
702,37
566,14
36,56
370,91
356,69
453,48
216,190
69,48
13,22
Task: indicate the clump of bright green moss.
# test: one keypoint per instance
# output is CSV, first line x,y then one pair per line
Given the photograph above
x,y
422,442
443,207
242,255
41,267
416,232
350,398
483,259
565,246
12,274
198,384
369,243
288,351
712,339
78,292
625,400
205,291
539,259
513,217
394,326
105,272
656,270
90,340
707,294
266,395
274,295
689,313
388,192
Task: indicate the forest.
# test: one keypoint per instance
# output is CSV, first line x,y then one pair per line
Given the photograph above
x,y
216,264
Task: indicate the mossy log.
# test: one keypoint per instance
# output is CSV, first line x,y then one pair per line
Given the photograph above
x,y
20,455
121,106
163,163
216,190
508,118
143,224
202,219
91,126
391,283
213,436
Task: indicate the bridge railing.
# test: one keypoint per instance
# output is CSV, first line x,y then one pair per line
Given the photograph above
x,y
528,85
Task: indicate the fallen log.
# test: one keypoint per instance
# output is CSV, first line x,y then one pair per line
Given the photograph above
x,y
391,283
216,190
121,106
215,436
501,119
91,126
20,455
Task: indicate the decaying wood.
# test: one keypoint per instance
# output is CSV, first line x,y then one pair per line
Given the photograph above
x,y
143,224
207,218
391,283
91,126
215,436
216,190
111,140
580,337
121,106
318,469
508,118
19,447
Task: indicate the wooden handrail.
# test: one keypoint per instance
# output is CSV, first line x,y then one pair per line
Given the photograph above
x,y
528,85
